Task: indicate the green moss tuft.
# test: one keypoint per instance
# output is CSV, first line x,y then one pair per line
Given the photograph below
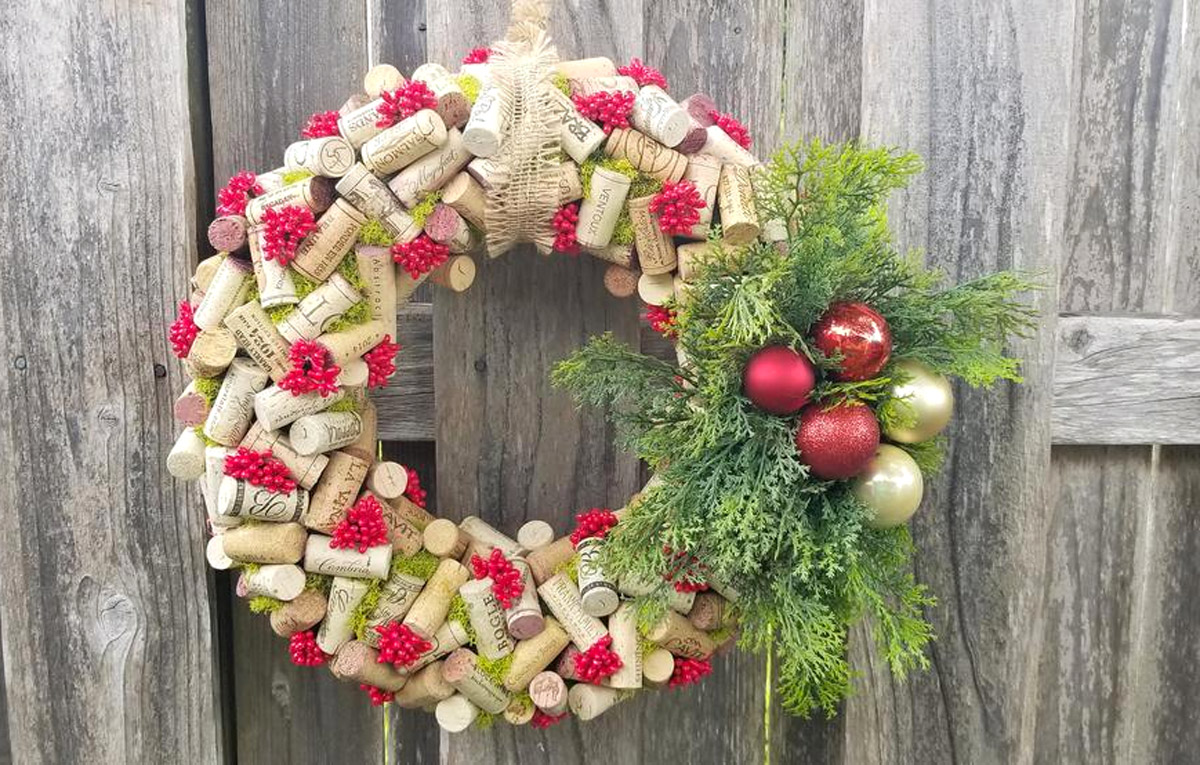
x,y
469,84
423,208
208,387
204,436
458,613
571,567
365,609
420,564
250,568
485,720
359,313
373,233
623,230
497,669
345,405
562,83
295,176
318,583
262,604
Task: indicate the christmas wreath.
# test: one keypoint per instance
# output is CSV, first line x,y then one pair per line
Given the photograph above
x,y
804,339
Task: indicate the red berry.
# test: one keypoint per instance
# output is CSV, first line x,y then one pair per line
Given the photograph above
x,y
321,125
420,256
662,320
678,207
565,221
686,572
593,523
304,650
379,697
642,74
381,362
734,129
598,661
283,228
413,491
231,200
183,330
405,101
688,671
363,526
542,720
507,583
312,369
477,56
399,645
260,469
610,110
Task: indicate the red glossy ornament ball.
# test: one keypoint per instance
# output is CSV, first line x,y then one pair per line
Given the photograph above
x,y
778,379
860,334
839,442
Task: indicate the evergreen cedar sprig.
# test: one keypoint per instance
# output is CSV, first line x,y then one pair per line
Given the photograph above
x,y
731,488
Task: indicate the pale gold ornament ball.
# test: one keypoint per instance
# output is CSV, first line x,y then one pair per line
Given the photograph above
x,y
927,396
891,485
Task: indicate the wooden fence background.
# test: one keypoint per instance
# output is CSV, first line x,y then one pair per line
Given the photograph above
x,y
1062,136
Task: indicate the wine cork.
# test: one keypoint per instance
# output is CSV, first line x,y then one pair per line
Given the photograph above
x,y
428,613
656,250
405,537
487,536
354,374
359,662
448,637
455,714
535,534
329,157
211,353
709,612
724,589
378,272
485,129
227,233
487,173
443,224
481,71
692,256
186,459
675,633
321,558
411,512
588,702
206,270
361,123
620,282
214,473
548,692
704,171
371,197
305,471
303,613
735,196
240,498
657,668
729,151
457,274
694,140
266,543
324,432
618,254
545,561
646,154
634,586
601,208
487,619
578,136
321,251
214,553
407,285
524,617
432,171
598,66
519,711
388,480
701,108
257,335
396,597
453,106
350,344
562,596
228,289
232,410
404,143
271,180
315,193
425,687
464,194
335,492
380,78
344,596
565,665
627,644
597,593
658,115
587,86
534,655
275,407
656,289
443,539
282,582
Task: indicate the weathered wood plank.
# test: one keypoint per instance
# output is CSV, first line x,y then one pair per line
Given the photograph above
x,y
107,641
5,739
406,405
822,70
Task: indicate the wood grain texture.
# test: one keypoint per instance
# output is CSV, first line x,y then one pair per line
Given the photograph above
x,y
406,405
822,70
103,597
5,739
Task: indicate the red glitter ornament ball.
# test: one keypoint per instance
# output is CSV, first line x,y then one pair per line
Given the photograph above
x,y
381,362
642,74
778,380
260,469
688,671
420,256
859,334
732,127
283,229
838,442
231,200
678,207
312,369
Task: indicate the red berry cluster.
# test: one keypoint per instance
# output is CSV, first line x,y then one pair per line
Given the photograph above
x,y
362,527
312,369
686,571
183,330
413,491
477,56
304,650
379,696
597,662
565,221
405,101
507,584
609,110
260,469
593,523
399,645
662,320
735,129
642,74
231,200
283,228
688,671
420,256
381,362
678,207
321,125
541,720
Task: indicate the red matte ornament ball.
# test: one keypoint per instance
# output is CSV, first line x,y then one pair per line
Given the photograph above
x,y
860,334
778,380
837,443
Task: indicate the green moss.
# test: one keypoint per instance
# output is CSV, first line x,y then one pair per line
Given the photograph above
x,y
571,567
208,387
497,669
304,287
420,564
469,84
204,436
359,313
345,405
562,83
373,233
623,230
365,609
348,268
641,185
458,613
250,569
648,646
263,604
485,720
721,634
295,176
318,583
423,208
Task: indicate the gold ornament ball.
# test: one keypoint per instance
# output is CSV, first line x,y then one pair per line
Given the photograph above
x,y
927,396
891,485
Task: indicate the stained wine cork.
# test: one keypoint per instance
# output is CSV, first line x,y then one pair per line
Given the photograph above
x,y
627,644
186,459
519,710
656,250
524,617
565,664
709,612
545,561
704,171
227,233
406,285
588,702
549,693
701,108
405,537
214,553
694,140
656,289
232,410
535,654
618,254
449,636
729,151
487,535
425,687
303,613
324,432
244,500
562,596
455,714
646,154
453,106
691,257
596,591
315,193
211,353
329,157
352,343
487,619
381,77
227,291
322,250
735,198
443,539
600,210
388,479
320,558
620,282
361,123
404,143
457,274
657,668
443,224
411,512
282,582
428,613
535,534
578,136
266,543
358,662
206,270
658,115
258,336
464,194
586,86
598,66
305,471
432,171
378,272
371,197
675,633
396,597
344,596
634,586
485,128
335,492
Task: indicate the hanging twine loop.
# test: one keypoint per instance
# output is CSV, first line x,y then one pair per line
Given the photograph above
x,y
524,199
